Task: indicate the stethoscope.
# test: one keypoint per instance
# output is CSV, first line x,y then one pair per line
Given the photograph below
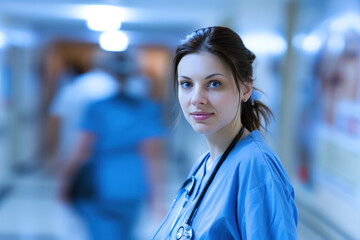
x,y
186,231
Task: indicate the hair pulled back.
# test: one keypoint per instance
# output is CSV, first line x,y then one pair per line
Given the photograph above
x,y
228,46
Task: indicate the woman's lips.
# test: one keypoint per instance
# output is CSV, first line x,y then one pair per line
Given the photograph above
x,y
200,116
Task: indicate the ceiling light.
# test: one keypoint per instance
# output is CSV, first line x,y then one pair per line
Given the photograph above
x,y
103,17
114,41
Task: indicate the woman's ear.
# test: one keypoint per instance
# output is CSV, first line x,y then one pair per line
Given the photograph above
x,y
246,91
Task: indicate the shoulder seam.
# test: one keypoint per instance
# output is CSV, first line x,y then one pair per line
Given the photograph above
x,y
273,179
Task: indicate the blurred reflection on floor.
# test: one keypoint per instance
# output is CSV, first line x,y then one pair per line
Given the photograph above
x,y
32,211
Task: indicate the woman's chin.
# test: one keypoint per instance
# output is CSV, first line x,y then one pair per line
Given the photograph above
x,y
204,130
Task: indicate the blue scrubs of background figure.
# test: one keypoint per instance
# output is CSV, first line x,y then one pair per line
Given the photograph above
x,y
250,197
120,124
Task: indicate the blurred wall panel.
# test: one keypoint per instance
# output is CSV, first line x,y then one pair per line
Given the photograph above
x,y
24,109
4,126
327,126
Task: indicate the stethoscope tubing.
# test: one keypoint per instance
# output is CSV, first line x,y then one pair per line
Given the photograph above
x,y
208,183
192,179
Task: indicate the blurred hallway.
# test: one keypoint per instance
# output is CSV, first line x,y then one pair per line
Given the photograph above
x,y
31,210
307,63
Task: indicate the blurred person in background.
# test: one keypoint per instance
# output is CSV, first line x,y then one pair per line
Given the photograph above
x,y
80,83
121,148
239,189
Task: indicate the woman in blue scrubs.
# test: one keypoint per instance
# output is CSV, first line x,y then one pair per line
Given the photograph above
x,y
238,189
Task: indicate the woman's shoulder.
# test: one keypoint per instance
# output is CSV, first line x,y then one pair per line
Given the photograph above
x,y
257,163
252,149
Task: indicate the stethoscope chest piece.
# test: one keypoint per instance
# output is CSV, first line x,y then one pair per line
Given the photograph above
x,y
184,233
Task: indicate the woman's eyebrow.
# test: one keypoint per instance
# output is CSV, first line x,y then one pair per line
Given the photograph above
x,y
214,74
184,77
210,76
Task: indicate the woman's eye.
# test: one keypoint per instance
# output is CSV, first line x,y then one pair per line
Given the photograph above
x,y
214,84
185,84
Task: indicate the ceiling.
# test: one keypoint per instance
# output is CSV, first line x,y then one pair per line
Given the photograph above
x,y
144,21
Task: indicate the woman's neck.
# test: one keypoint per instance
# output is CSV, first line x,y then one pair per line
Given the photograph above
x,y
219,141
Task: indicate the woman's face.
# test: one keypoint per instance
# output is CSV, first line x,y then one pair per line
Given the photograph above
x,y
208,94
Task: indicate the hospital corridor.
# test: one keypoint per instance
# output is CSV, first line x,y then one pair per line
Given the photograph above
x,y
93,141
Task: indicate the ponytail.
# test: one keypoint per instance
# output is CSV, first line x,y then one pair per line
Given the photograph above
x,y
255,114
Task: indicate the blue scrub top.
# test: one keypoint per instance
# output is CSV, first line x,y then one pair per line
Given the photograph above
x,y
120,124
251,197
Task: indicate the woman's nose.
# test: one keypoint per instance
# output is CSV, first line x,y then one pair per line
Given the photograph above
x,y
198,97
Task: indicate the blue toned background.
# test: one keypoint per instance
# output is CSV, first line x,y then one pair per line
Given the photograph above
x,y
307,65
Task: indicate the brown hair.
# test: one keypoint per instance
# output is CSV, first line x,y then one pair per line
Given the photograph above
x,y
228,46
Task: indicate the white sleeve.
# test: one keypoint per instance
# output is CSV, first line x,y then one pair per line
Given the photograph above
x,y
58,104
